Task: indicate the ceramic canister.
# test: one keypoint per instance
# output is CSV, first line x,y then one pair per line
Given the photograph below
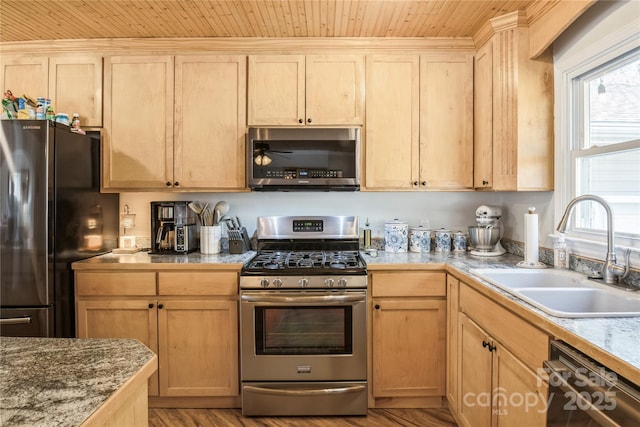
x,y
396,236
419,239
459,241
443,240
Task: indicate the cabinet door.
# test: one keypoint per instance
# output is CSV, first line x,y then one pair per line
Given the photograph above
x,y
24,75
117,318
474,408
483,117
446,121
210,122
408,347
276,90
138,121
198,349
452,378
520,394
75,86
392,116
334,89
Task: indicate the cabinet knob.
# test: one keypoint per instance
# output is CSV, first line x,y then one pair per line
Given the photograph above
x,y
168,183
150,305
160,306
309,120
377,306
485,344
299,120
415,183
424,183
485,182
176,184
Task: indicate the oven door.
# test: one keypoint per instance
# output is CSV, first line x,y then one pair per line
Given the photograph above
x,y
303,335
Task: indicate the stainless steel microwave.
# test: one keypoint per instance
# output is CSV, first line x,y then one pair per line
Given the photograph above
x,y
290,159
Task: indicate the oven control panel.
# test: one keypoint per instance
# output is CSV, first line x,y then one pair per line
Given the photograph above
x,y
305,225
309,282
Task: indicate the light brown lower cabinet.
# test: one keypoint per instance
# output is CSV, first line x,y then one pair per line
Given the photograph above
x,y
408,339
191,323
498,357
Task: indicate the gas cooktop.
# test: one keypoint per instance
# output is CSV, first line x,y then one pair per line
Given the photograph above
x,y
306,262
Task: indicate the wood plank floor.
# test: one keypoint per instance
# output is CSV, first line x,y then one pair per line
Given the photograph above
x,y
161,417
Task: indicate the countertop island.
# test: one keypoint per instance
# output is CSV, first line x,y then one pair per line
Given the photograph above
x,y
74,382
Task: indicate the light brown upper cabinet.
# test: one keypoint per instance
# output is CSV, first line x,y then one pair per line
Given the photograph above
x,y
419,122
289,90
198,145
73,83
513,123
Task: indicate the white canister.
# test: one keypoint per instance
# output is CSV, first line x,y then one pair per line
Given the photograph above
x,y
419,239
396,236
210,239
459,241
443,240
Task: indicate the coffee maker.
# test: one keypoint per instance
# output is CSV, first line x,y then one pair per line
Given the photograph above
x,y
174,228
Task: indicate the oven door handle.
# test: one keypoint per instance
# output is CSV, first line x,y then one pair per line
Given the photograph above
x,y
559,374
305,392
306,299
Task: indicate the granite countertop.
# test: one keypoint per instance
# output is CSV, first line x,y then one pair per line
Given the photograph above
x,y
62,381
617,336
143,259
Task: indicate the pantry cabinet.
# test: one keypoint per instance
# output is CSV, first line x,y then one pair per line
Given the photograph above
x,y
158,308
513,123
199,146
499,365
305,90
73,83
408,338
419,117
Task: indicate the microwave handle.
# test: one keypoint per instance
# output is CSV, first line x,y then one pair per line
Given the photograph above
x,y
559,375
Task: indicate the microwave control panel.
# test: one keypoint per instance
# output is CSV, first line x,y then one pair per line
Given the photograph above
x,y
298,173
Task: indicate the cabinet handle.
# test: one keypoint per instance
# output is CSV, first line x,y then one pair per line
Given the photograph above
x,y
160,306
150,305
309,120
168,183
492,347
176,184
488,345
377,306
485,344
299,120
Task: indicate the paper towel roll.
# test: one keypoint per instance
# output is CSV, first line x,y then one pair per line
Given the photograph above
x,y
531,237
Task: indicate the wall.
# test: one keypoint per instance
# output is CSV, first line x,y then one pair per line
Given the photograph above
x,y
453,210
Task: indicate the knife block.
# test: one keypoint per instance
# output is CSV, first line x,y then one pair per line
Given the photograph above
x,y
239,242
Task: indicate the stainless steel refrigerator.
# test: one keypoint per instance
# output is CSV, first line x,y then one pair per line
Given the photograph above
x,y
51,214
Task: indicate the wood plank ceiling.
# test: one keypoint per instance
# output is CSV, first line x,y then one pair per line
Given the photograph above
x,y
22,20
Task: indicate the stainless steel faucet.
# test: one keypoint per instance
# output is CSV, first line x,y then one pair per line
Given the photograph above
x,y
611,271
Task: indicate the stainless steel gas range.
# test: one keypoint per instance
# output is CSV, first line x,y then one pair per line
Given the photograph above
x,y
303,301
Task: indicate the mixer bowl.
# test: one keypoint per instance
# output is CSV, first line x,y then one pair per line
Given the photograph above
x,y
484,238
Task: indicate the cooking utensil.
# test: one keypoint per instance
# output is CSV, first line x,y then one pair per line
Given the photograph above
x,y
220,209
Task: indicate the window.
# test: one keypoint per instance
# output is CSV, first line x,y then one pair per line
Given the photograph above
x,y
605,145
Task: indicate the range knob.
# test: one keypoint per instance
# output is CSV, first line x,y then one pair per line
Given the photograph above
x,y
303,282
342,282
329,283
264,283
277,283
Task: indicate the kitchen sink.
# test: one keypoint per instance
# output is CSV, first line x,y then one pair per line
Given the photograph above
x,y
563,293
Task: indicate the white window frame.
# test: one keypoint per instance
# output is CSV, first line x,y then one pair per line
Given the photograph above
x,y
603,46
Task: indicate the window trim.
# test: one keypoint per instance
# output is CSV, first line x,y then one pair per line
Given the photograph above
x,y
578,62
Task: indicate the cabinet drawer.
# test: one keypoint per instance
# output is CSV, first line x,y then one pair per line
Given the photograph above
x,y
418,283
107,284
527,343
198,283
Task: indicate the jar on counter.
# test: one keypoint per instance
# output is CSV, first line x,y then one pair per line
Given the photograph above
x,y
443,240
396,236
419,239
459,242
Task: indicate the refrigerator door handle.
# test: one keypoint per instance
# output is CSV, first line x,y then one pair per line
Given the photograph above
x,y
15,320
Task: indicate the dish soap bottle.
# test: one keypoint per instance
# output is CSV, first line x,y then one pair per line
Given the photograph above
x,y
560,253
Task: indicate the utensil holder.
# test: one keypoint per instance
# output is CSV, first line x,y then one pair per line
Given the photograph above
x,y
210,239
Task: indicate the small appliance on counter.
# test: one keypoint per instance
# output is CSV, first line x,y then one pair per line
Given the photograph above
x,y
485,237
174,228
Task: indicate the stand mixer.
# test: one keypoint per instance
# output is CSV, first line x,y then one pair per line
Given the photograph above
x,y
485,237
